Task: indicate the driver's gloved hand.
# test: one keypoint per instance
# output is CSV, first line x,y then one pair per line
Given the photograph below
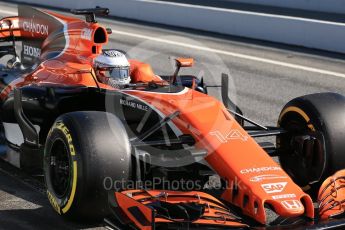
x,y
13,63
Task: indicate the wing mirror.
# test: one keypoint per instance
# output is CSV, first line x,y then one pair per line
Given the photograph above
x,y
181,62
184,62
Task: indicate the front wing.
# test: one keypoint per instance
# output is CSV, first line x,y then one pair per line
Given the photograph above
x,y
161,209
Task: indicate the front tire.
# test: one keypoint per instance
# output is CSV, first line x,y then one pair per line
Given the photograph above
x,y
313,148
83,151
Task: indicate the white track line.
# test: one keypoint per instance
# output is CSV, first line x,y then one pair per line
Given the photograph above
x,y
233,54
8,12
243,56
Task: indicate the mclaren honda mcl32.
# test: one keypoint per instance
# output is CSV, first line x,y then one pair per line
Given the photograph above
x,y
100,127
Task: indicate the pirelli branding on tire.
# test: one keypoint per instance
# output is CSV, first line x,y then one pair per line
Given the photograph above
x,y
63,205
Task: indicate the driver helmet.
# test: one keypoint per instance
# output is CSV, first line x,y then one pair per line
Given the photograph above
x,y
112,68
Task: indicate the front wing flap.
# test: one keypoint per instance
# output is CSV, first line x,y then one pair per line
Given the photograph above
x,y
149,210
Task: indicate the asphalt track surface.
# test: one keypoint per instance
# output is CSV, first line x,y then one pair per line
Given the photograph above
x,y
264,77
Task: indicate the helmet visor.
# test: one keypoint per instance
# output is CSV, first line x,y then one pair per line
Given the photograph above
x,y
117,75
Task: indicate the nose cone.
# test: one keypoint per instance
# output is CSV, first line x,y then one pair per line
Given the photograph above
x,y
285,206
289,208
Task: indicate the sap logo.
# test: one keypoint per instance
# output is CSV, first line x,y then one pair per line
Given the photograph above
x,y
31,26
86,34
292,205
31,51
232,135
274,187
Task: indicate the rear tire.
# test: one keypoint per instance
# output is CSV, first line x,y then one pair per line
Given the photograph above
x,y
83,155
314,146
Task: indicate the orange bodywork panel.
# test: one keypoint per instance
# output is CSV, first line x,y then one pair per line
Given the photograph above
x,y
254,178
142,72
72,62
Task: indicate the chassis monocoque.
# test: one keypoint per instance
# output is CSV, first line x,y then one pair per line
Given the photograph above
x,y
142,156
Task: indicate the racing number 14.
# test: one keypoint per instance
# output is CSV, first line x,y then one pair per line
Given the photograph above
x,y
232,135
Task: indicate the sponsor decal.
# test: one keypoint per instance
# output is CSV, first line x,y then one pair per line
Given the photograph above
x,y
35,28
260,169
113,53
232,135
64,129
266,177
284,196
86,34
31,51
274,187
68,203
292,205
134,105
54,202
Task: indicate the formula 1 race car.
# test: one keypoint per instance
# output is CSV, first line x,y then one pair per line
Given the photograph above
x,y
143,151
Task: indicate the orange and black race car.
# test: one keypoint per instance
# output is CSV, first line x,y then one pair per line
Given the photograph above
x,y
116,141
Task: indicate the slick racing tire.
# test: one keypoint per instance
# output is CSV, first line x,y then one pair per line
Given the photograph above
x,y
83,151
314,146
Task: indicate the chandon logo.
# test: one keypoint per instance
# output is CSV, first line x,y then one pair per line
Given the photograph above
x,y
260,169
31,26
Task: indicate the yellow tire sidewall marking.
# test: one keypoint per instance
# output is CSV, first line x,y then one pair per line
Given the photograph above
x,y
61,126
74,187
53,202
300,112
